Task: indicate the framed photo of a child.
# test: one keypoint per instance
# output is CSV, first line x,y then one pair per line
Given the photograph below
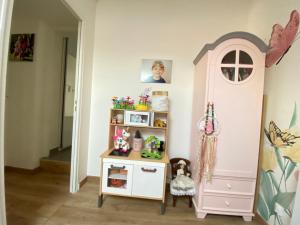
x,y
156,71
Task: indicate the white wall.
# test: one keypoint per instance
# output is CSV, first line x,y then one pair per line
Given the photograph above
x,y
128,31
281,81
86,11
283,77
33,97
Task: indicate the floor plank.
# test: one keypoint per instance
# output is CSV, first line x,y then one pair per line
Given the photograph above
x,y
44,199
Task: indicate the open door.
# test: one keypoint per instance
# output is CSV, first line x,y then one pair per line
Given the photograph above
x,y
5,20
6,9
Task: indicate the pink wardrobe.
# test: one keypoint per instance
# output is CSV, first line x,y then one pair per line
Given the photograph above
x,y
230,73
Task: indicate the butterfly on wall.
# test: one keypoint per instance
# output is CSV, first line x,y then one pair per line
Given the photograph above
x,y
282,39
279,138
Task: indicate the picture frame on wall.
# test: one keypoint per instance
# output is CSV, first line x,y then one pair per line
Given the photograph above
x,y
156,71
21,47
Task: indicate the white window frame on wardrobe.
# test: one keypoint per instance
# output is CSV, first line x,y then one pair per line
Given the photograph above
x,y
6,7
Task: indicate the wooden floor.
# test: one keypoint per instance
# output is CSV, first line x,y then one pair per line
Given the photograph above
x,y
43,198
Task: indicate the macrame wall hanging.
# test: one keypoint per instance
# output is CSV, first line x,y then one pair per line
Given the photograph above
x,y
209,128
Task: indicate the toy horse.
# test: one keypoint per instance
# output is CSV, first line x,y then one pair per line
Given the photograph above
x,y
121,140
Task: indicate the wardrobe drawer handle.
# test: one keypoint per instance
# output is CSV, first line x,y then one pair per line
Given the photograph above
x,y
228,186
117,167
227,203
149,170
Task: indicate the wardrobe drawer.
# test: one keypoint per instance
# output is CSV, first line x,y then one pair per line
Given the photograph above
x,y
230,186
148,181
227,203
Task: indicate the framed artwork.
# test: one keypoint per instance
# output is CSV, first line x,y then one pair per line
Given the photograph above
x,y
156,71
21,47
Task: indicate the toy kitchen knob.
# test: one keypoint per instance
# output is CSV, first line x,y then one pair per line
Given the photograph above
x,y
227,203
229,186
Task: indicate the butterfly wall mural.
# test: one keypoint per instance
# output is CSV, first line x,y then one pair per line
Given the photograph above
x,y
279,138
279,172
282,39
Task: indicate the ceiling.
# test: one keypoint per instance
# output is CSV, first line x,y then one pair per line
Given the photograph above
x,y
53,12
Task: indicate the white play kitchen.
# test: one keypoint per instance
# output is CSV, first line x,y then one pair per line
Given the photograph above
x,y
127,168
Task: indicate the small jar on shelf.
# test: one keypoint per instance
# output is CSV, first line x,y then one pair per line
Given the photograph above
x,y
160,101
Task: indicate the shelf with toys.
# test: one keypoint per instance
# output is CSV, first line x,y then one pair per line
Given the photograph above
x,y
135,118
147,123
147,127
137,150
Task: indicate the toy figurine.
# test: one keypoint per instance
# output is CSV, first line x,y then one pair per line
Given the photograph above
x,y
118,139
160,123
152,146
153,143
125,142
121,141
144,101
183,180
123,103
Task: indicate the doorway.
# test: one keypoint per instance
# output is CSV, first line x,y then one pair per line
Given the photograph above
x,y
6,8
36,91
59,158
40,87
42,52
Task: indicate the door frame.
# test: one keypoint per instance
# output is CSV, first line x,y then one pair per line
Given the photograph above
x,y
74,179
6,8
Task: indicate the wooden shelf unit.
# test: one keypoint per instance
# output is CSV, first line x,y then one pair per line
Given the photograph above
x,y
147,127
154,115
145,178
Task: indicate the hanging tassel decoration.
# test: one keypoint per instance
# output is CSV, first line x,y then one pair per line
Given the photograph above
x,y
208,156
208,145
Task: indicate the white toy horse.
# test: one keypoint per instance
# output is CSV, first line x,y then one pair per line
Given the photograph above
x,y
125,142
121,140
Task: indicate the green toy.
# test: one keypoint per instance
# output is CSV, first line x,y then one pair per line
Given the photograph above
x,y
151,155
152,152
153,142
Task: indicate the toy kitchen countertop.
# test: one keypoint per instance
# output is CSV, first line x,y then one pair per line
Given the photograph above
x,y
135,156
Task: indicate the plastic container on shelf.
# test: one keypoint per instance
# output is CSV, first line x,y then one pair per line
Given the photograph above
x,y
160,101
137,144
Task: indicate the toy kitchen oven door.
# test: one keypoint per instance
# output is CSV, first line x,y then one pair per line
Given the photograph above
x,y
117,178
